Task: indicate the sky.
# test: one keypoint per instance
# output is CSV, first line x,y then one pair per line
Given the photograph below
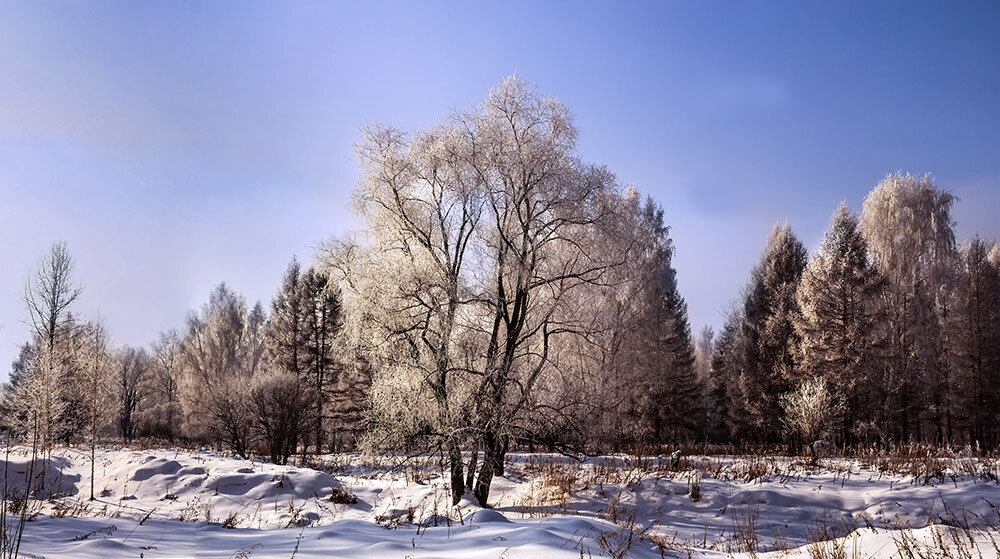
x,y
174,145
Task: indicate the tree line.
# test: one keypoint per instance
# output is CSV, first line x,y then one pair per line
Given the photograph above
x,y
503,293
891,314
257,382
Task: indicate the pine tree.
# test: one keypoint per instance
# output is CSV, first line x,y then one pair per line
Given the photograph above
x,y
769,311
840,325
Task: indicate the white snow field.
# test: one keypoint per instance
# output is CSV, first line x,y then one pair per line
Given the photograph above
x,y
182,503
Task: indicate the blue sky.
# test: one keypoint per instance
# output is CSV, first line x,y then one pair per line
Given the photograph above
x,y
178,144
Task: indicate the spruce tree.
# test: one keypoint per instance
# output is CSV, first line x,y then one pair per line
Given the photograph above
x,y
288,330
321,301
770,309
674,402
840,324
721,379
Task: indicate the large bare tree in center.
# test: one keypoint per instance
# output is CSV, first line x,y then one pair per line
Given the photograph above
x,y
478,231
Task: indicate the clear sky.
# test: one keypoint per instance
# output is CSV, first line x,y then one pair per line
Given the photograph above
x,y
177,144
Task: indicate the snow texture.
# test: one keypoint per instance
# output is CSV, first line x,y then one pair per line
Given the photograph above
x,y
280,510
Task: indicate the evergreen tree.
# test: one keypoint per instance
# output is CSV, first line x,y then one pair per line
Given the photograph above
x,y
287,331
840,324
674,403
321,303
19,368
723,378
975,342
770,309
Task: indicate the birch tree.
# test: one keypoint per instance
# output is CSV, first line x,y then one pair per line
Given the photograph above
x,y
906,221
810,411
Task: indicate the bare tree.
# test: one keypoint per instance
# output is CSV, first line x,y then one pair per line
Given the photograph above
x,y
282,408
47,388
96,379
810,411
49,295
132,367
222,349
161,414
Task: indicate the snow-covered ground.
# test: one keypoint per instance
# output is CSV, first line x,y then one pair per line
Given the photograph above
x,y
180,503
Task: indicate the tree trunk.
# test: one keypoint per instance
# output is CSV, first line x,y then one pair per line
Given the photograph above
x,y
492,458
470,469
498,465
93,452
457,477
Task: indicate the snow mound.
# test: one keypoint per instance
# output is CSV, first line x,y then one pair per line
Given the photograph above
x,y
486,516
156,467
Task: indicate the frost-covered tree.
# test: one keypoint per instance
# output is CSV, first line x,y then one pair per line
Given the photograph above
x,y
161,414
11,409
48,295
670,387
726,412
811,410
40,401
222,349
96,380
47,386
704,347
975,342
19,368
132,367
841,326
906,221
629,380
405,280
478,232
770,309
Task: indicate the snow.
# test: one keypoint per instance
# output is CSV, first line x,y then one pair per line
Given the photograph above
x,y
182,503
